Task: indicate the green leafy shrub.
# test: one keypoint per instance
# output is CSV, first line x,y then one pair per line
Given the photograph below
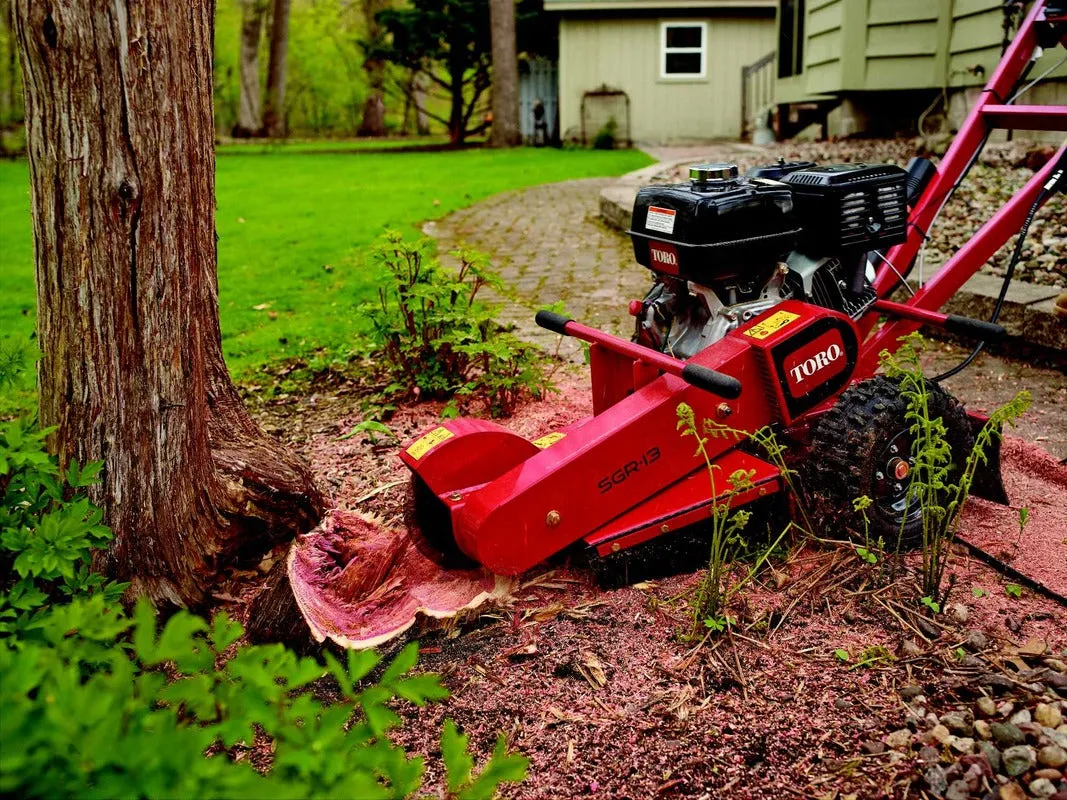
x,y
96,702
436,340
607,136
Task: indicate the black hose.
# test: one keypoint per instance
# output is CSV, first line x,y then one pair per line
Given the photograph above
x,y
1016,254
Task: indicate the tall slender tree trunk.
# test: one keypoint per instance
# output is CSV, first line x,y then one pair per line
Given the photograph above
x,y
277,71
505,131
120,141
249,108
457,66
373,123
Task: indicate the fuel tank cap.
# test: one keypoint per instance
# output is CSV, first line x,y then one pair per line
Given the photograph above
x,y
719,171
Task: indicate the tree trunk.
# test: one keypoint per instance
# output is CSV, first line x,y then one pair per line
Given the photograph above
x,y
373,123
419,97
277,71
505,131
120,142
249,112
457,68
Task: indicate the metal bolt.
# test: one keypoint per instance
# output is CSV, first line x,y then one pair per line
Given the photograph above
x,y
455,497
762,491
897,487
615,547
723,410
664,528
893,448
783,268
878,476
552,519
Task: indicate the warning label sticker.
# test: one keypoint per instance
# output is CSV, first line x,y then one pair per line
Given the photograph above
x,y
660,219
548,440
425,443
774,323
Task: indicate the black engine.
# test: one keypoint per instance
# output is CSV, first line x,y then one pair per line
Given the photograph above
x,y
725,248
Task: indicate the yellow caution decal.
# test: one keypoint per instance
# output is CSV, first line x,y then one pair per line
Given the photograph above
x,y
425,443
548,440
774,323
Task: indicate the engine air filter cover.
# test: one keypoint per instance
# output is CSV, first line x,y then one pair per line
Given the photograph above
x,y
850,206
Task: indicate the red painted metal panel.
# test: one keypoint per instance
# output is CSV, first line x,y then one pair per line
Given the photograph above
x,y
685,503
1026,118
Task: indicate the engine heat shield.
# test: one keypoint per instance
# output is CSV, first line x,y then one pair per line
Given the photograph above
x,y
710,231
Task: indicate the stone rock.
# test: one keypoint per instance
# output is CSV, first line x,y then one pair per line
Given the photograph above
x,y
958,790
928,629
1020,716
899,739
1012,791
912,691
938,733
1048,715
981,729
1031,730
1058,737
959,722
873,748
986,707
1005,734
936,780
1018,759
1051,774
976,640
961,744
1060,795
929,755
1059,681
842,704
1042,787
909,648
1052,756
957,612
1056,664
1004,709
992,755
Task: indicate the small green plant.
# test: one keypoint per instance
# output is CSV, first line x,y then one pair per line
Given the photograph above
x,y
931,604
607,136
978,592
959,653
435,338
1013,590
842,655
727,526
873,656
932,489
372,428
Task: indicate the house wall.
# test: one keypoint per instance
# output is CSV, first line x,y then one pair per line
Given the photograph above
x,y
624,53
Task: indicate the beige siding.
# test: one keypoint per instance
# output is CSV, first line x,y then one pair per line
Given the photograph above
x,y
625,54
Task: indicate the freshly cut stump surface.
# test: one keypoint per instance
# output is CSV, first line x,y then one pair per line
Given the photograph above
x,y
360,583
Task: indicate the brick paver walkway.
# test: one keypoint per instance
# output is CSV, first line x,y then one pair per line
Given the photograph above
x,y
549,244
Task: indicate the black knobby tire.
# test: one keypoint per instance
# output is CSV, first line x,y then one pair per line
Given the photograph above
x,y
854,447
429,523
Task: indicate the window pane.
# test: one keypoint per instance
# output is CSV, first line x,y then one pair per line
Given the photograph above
x,y
685,36
683,63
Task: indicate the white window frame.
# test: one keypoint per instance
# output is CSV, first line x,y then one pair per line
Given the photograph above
x,y
664,50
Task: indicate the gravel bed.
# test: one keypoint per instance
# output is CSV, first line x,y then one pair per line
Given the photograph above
x,y
1002,170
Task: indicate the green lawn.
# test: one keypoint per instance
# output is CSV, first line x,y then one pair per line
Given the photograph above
x,y
293,233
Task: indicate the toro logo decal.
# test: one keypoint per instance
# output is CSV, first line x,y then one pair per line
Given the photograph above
x,y
663,257
815,363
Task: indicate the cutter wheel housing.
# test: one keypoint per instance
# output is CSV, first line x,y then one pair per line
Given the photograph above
x,y
768,305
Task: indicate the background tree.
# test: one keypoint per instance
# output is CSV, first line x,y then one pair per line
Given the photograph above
x,y
274,122
121,151
373,122
447,41
249,109
505,131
